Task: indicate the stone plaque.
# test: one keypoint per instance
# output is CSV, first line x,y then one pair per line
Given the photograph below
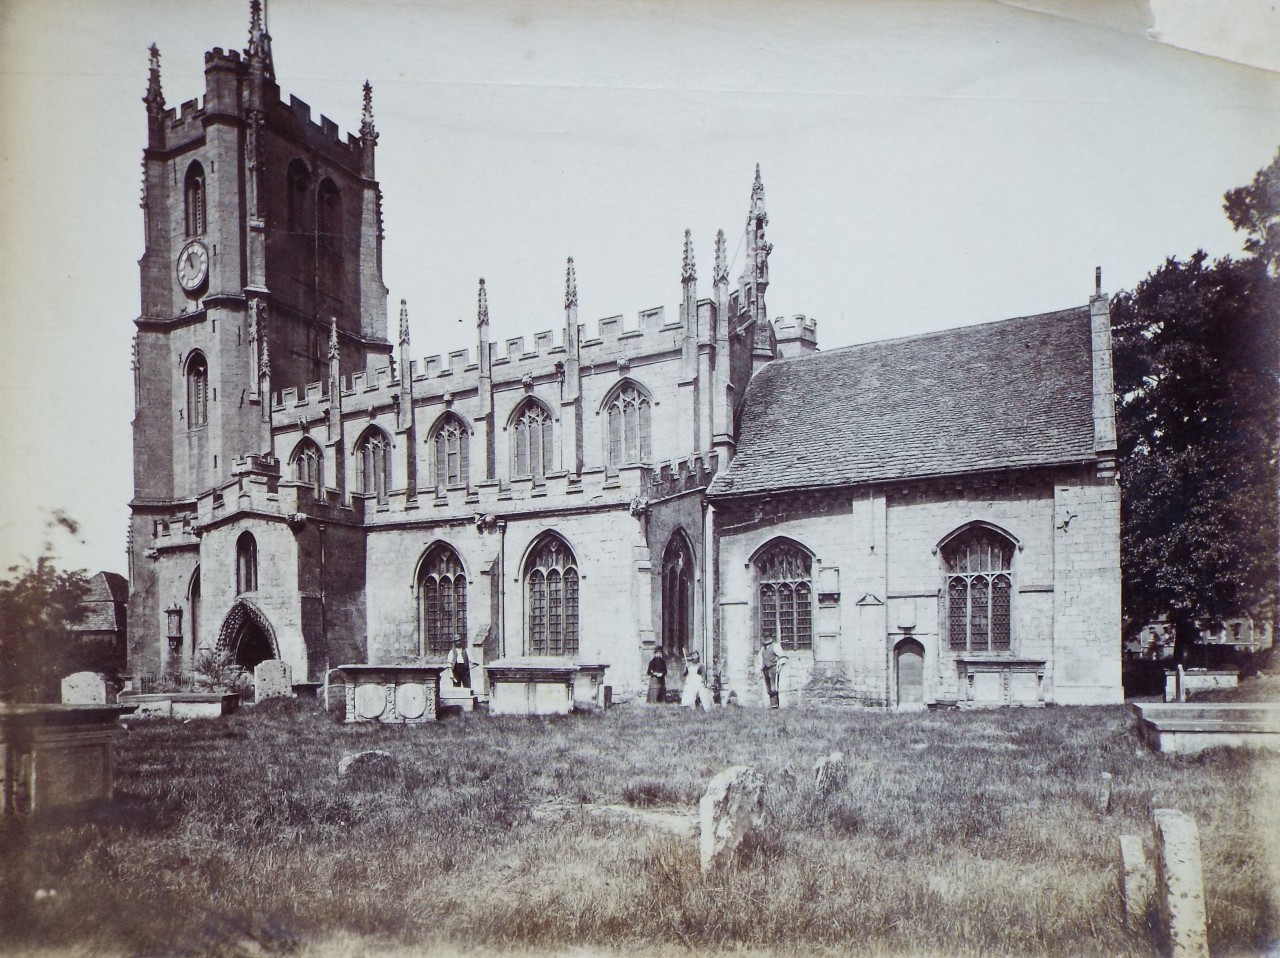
x,y
411,700
272,679
371,700
84,688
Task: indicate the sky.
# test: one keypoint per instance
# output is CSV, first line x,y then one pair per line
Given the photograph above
x,y
927,164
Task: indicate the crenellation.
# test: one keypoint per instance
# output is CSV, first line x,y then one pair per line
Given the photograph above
x,y
355,383
459,360
315,393
288,397
515,348
543,342
431,367
609,329
382,379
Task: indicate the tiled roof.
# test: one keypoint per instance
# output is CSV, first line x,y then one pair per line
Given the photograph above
x,y
1006,394
104,603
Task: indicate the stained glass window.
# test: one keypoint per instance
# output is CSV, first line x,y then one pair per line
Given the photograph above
x,y
552,583
373,464
784,573
442,594
979,591
630,426
532,452
452,444
308,466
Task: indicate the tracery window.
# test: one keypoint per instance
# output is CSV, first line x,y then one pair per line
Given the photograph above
x,y
628,413
452,448
979,591
677,596
532,452
297,183
246,563
784,573
197,391
308,466
551,582
442,600
194,199
373,464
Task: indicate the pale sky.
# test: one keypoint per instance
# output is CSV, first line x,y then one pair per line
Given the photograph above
x,y
927,164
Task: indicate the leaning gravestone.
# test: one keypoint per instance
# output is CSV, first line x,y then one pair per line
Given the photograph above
x,y
1135,881
1179,884
372,764
829,773
272,679
732,806
84,688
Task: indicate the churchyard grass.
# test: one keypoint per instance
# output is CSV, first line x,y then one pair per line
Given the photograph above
x,y
958,833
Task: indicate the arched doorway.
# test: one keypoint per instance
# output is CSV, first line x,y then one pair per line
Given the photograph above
x,y
909,668
677,598
246,637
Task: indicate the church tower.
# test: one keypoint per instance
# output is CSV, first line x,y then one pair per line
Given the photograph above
x,y
263,235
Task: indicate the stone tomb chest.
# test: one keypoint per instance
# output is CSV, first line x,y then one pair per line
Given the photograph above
x,y
392,693
56,755
543,686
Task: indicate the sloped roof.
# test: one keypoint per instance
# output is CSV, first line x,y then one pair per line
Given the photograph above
x,y
104,602
1013,393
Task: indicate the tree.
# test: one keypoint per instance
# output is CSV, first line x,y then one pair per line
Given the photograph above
x,y
38,607
1197,365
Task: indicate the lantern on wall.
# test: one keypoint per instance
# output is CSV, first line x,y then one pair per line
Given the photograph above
x,y
174,613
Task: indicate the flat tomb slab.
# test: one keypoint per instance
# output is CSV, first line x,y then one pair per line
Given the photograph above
x,y
181,705
57,755
542,685
1193,727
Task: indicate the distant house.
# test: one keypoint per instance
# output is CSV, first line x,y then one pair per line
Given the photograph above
x,y
102,636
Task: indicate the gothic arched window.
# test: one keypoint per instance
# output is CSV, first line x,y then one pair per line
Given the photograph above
x,y
677,596
328,215
551,584
373,464
784,575
297,186
629,429
246,563
194,199
197,391
442,600
308,466
451,443
979,590
532,452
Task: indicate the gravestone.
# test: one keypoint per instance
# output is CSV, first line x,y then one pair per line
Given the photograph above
x,y
1179,884
85,688
731,808
1135,881
830,773
372,763
272,679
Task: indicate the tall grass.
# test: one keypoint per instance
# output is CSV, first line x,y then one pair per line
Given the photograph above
x,y
956,833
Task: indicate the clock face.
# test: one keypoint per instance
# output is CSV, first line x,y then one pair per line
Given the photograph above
x,y
193,265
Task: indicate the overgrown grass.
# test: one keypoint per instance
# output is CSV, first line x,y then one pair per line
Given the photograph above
x,y
956,833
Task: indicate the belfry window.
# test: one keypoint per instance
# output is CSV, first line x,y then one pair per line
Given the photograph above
x,y
297,185
551,586
784,575
629,426
328,218
246,563
979,591
442,600
197,391
308,466
532,453
373,464
194,200
451,443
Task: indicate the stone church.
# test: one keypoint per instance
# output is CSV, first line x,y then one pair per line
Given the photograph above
x,y
923,521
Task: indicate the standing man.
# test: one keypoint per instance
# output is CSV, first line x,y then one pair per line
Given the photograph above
x,y
770,663
460,664
657,678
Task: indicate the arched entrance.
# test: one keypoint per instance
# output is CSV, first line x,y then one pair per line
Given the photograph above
x,y
908,660
247,637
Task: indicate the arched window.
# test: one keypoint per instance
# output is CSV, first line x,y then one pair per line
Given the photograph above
x,y
677,596
308,466
784,573
197,391
628,412
193,595
328,215
979,590
194,200
451,442
373,464
532,452
551,582
297,185
442,600
246,563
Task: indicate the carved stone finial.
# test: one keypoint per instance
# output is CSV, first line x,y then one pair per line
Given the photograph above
x,y
757,188
259,50
333,338
404,323
570,285
367,130
721,272
482,307
155,95
688,270
264,367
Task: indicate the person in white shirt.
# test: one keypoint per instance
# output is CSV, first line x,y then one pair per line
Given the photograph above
x,y
695,686
460,664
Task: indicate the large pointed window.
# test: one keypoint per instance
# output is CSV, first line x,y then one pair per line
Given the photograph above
x,y
246,563
442,600
197,391
194,200
328,216
628,424
450,443
373,464
979,591
784,574
297,188
551,586
677,597
532,451
308,466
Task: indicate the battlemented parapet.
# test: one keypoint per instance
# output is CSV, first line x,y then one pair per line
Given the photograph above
x,y
795,335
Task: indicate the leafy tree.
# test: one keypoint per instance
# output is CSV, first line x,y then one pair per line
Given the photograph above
x,y
1197,364
38,607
